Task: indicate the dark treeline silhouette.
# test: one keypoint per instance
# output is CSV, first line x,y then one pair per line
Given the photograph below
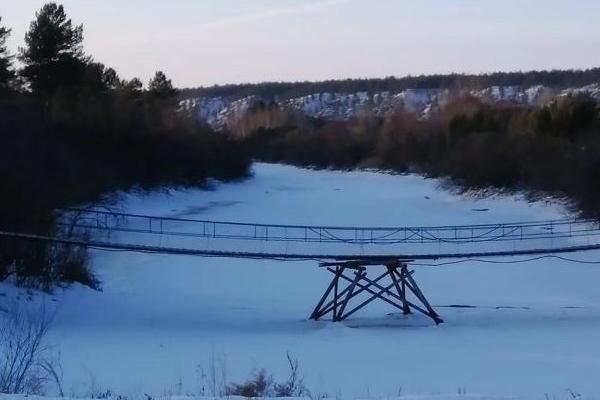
x,y
551,149
72,131
555,78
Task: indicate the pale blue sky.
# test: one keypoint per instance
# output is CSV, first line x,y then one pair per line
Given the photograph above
x,y
200,42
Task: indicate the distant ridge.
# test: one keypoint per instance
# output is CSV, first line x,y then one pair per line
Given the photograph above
x,y
559,79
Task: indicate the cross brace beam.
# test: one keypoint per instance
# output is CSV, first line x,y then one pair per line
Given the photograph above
x,y
395,286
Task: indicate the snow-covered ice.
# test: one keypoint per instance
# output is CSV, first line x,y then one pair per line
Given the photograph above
x,y
534,330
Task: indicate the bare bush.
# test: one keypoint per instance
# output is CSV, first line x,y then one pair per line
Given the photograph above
x,y
258,385
212,380
294,386
26,363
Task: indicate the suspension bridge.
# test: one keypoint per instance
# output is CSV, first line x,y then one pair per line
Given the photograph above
x,y
349,253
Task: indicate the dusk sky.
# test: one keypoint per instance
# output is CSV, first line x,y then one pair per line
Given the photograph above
x,y
202,42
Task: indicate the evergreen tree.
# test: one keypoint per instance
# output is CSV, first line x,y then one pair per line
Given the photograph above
x,y
53,56
161,88
160,102
6,71
99,79
133,86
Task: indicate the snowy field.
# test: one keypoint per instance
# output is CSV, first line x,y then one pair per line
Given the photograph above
x,y
533,330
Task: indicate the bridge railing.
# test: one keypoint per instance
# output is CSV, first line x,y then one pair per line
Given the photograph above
x,y
104,221
105,228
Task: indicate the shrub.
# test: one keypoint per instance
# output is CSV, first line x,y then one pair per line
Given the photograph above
x,y
294,385
26,363
258,385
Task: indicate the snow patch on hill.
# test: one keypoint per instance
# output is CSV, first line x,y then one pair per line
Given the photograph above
x,y
220,112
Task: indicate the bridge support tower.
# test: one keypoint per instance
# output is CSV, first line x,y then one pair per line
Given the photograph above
x,y
394,286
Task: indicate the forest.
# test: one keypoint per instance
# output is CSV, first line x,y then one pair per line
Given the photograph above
x,y
73,132
552,149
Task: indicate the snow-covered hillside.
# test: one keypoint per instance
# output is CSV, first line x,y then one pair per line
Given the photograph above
x,y
219,111
162,324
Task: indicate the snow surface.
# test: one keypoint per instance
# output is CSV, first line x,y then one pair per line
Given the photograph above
x,y
188,397
159,319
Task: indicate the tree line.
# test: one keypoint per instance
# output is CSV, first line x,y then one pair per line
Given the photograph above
x,y
72,131
282,90
552,149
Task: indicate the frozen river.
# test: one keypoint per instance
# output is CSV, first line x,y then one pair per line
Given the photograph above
x,y
160,321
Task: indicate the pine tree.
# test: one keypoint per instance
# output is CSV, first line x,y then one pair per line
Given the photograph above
x,y
133,86
53,56
161,102
161,88
7,73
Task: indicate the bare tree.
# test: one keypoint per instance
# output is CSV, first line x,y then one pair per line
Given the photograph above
x,y
26,362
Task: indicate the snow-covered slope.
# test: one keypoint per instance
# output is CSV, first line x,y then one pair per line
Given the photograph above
x,y
219,111
162,324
